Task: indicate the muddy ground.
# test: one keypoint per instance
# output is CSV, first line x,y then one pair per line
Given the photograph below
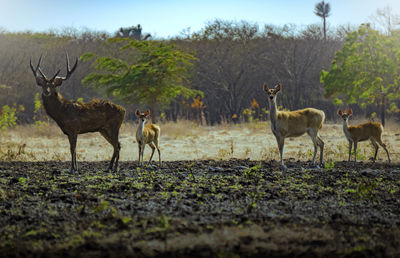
x,y
201,208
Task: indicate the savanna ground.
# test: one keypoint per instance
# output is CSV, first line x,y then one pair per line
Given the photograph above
x,y
219,193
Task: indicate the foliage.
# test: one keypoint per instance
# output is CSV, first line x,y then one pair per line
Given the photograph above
x,y
365,70
322,9
157,76
39,116
8,116
329,165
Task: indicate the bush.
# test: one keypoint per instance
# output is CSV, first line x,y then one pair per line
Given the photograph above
x,y
8,117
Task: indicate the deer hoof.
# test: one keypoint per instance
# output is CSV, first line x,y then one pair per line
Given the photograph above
x,y
282,167
315,166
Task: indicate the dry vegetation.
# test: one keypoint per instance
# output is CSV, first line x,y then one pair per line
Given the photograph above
x,y
188,141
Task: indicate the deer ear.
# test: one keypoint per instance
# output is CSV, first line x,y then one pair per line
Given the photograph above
x,y
40,81
137,112
266,87
57,81
350,112
278,87
147,112
339,112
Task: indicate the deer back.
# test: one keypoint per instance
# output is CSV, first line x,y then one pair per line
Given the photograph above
x,y
78,117
151,132
365,131
299,121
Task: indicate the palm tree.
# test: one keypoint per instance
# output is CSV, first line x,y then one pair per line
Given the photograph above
x,y
322,10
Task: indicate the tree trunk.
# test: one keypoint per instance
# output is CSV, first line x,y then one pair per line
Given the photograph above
x,y
324,29
383,107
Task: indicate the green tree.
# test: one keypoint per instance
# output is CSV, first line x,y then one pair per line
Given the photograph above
x,y
323,10
156,76
365,70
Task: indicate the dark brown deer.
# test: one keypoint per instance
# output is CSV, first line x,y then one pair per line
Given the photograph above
x,y
75,118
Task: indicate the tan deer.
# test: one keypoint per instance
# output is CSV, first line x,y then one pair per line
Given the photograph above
x,y
295,123
147,134
75,118
357,133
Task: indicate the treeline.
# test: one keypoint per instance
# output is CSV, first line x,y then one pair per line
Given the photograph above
x,y
233,60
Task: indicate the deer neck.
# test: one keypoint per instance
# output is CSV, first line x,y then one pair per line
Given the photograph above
x,y
139,132
53,105
273,110
346,128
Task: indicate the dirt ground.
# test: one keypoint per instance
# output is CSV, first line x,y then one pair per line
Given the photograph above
x,y
200,208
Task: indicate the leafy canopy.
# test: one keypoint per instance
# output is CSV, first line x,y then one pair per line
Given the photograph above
x,y
155,75
322,9
365,70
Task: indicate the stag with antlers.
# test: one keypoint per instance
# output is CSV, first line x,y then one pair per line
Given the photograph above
x,y
75,118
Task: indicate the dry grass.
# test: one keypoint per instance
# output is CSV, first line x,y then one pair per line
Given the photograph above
x,y
186,141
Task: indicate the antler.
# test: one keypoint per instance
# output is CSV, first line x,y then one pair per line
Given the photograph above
x,y
37,67
57,80
69,71
35,70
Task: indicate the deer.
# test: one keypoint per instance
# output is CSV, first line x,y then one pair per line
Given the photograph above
x,y
357,133
294,124
75,118
147,134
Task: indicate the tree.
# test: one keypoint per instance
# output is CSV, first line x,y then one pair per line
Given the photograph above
x,y
228,57
323,10
385,21
366,70
133,32
156,77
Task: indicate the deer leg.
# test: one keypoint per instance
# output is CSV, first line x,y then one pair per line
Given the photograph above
x,y
140,152
142,146
350,147
117,157
384,147
281,143
72,143
321,147
355,151
117,146
159,154
158,150
106,136
314,140
376,147
153,148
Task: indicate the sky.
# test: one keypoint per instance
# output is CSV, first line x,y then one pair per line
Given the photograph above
x,y
168,18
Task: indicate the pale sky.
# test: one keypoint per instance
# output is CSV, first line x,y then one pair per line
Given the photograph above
x,y
166,18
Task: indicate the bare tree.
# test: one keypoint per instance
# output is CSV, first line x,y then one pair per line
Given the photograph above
x,y
385,20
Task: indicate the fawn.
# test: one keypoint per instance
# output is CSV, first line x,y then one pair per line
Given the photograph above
x,y
294,123
147,134
357,133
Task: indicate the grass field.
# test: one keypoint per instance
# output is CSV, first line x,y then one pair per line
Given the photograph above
x,y
188,141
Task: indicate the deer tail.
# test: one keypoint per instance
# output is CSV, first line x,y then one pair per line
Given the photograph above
x,y
322,120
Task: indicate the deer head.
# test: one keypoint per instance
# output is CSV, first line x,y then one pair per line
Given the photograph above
x,y
49,85
272,92
345,114
142,116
